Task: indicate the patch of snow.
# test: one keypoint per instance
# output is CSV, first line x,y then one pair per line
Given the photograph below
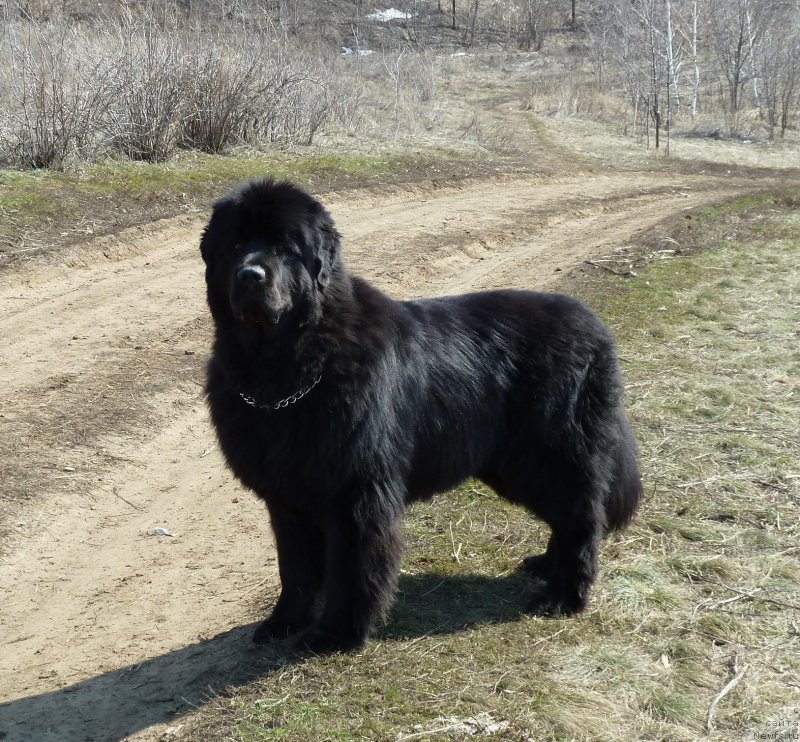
x,y
393,14
347,51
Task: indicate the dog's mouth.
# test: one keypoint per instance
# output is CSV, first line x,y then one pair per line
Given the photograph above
x,y
258,315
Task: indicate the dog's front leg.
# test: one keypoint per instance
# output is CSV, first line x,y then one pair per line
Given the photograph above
x,y
363,554
301,563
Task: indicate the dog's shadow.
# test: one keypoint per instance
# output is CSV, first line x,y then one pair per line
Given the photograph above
x,y
430,604
116,704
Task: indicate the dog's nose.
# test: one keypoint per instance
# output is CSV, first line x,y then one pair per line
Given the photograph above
x,y
251,275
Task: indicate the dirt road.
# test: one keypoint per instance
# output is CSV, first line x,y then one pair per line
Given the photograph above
x,y
106,628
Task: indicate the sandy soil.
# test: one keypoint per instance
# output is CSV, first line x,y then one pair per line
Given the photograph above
x,y
107,628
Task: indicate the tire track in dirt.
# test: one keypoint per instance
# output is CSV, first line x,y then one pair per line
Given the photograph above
x,y
562,242
107,628
72,317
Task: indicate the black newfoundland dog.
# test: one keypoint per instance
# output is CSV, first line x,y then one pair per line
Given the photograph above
x,y
339,406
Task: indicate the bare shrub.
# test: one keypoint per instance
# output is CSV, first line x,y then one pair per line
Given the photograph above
x,y
57,91
142,83
298,110
224,98
150,101
316,105
386,96
421,69
294,101
347,101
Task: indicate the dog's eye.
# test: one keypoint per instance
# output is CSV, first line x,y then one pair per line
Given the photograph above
x,y
289,251
237,246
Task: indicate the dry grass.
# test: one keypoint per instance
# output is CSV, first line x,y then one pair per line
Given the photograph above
x,y
84,81
698,597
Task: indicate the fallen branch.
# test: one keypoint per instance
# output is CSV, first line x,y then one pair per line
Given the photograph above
x,y
628,273
456,551
25,249
255,587
777,487
752,596
548,638
731,684
135,507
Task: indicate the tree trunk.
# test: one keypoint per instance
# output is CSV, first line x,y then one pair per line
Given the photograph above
x,y
657,119
673,72
696,80
752,55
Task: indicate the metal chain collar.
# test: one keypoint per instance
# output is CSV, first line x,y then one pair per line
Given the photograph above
x,y
291,399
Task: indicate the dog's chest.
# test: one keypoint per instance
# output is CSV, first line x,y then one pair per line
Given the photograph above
x,y
278,453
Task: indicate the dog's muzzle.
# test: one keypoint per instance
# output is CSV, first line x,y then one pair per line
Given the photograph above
x,y
254,299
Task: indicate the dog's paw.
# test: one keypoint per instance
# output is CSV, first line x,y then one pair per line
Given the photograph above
x,y
273,629
320,641
546,603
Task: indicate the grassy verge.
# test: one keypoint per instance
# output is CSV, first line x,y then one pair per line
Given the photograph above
x,y
42,210
702,590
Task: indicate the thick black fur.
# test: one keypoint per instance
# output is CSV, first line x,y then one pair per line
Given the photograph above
x,y
516,388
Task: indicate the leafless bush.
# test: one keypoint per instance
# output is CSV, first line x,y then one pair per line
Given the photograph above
x,y
347,105
150,102
55,90
291,104
387,95
315,105
282,120
143,85
421,68
223,99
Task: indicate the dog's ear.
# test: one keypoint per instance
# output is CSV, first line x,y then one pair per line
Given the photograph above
x,y
219,225
327,251
206,241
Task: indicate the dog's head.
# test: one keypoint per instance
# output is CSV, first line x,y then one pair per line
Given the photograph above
x,y
271,251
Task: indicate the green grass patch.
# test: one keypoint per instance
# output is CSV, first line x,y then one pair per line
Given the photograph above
x,y
191,174
705,580
198,173
44,210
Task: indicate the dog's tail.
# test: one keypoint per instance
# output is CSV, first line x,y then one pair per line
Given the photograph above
x,y
626,482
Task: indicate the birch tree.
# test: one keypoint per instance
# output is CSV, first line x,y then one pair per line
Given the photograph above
x,y
689,32
673,58
777,65
736,28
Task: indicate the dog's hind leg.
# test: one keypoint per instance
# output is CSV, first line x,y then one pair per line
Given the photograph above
x,y
569,564
585,494
569,501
